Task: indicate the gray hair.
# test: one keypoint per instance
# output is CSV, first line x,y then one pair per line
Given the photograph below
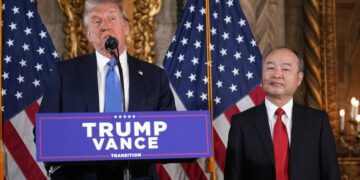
x,y
298,55
90,4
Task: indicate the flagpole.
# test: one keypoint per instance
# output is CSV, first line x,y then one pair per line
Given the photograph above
x,y
211,166
1,124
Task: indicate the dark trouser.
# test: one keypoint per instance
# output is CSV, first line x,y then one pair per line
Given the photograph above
x,y
103,172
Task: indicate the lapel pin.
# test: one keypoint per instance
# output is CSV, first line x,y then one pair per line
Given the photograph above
x,y
141,73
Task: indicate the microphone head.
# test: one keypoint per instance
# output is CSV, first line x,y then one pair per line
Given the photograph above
x,y
111,43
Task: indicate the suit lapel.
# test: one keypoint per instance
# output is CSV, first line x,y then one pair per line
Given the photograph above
x,y
297,130
262,126
135,79
87,68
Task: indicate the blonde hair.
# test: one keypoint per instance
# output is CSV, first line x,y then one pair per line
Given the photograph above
x,y
90,4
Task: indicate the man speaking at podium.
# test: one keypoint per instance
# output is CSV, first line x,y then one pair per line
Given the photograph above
x,y
96,83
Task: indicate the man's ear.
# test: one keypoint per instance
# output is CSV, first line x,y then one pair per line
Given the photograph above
x,y
88,35
300,78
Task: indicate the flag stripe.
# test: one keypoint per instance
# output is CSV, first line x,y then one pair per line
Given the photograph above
x,y
11,164
31,111
219,173
175,171
193,171
20,153
220,151
160,169
257,95
231,111
245,103
222,127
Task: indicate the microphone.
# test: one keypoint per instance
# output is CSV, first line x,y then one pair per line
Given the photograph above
x,y
111,44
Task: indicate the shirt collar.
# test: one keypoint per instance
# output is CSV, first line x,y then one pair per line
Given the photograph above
x,y
271,108
103,60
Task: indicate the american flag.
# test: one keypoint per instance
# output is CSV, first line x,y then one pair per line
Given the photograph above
x,y
236,73
28,56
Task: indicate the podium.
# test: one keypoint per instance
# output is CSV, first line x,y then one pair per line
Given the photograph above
x,y
66,137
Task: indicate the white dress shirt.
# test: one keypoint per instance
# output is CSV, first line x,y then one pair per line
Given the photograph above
x,y
286,118
102,69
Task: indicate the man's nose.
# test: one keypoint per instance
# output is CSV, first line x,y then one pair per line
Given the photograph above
x,y
277,73
105,27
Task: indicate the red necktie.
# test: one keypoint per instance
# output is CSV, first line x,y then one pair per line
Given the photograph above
x,y
281,147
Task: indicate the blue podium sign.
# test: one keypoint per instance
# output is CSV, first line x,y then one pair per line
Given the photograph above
x,y
123,136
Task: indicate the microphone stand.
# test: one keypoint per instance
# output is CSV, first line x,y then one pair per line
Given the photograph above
x,y
126,170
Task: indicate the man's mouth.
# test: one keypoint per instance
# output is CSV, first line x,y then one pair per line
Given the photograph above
x,y
277,84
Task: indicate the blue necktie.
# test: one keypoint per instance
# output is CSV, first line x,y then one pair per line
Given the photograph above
x,y
113,90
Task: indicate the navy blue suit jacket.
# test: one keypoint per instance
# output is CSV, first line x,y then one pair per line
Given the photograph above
x,y
250,153
73,87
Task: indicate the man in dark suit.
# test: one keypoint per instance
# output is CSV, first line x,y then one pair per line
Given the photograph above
x,y
78,85
280,139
